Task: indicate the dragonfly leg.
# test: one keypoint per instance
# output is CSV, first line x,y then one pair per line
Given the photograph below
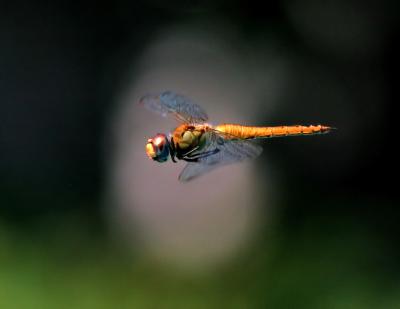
x,y
191,151
188,159
185,155
173,158
202,155
172,151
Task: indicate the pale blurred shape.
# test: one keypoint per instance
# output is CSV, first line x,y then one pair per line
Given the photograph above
x,y
210,220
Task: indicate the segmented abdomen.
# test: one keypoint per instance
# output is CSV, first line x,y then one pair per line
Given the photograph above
x,y
248,132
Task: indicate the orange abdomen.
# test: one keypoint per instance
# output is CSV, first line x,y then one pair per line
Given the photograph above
x,y
248,132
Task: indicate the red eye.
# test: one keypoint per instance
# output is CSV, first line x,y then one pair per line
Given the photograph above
x,y
158,141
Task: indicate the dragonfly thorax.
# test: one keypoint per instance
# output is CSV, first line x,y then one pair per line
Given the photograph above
x,y
187,136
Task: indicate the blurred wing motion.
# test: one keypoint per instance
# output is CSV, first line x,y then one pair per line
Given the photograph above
x,y
230,151
171,103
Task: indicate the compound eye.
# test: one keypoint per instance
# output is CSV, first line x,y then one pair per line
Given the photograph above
x,y
150,151
157,148
159,142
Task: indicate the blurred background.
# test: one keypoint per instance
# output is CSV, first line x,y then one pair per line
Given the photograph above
x,y
87,221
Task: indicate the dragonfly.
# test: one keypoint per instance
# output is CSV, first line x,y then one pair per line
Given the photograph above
x,y
205,147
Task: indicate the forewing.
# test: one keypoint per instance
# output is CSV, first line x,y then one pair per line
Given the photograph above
x,y
230,151
171,103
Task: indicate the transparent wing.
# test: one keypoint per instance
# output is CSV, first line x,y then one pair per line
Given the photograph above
x,y
171,103
230,151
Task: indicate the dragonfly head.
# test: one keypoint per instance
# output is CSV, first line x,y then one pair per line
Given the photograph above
x,y
157,148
